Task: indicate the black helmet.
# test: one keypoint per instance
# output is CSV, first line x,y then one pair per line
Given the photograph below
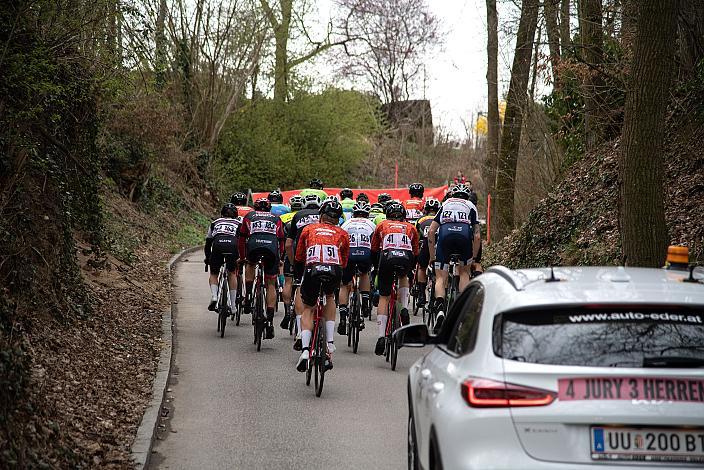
x,y
239,199
332,208
346,194
431,205
395,211
311,201
275,197
473,197
416,190
296,203
361,209
461,191
315,183
229,210
262,204
363,197
384,197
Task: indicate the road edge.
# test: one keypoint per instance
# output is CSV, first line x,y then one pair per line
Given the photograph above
x,y
141,448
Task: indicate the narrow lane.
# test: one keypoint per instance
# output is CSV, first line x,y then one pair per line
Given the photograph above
x,y
234,407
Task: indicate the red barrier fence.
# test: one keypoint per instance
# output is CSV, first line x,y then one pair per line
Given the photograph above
x,y
400,194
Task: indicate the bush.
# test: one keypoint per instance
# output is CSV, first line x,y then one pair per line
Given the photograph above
x,y
268,145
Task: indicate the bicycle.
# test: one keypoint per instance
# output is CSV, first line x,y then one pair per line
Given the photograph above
x,y
452,289
355,315
318,351
259,316
292,324
239,299
432,314
393,322
222,308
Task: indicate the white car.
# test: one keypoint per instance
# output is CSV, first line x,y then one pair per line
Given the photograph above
x,y
562,369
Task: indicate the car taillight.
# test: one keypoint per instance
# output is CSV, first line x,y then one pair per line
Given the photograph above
x,y
485,393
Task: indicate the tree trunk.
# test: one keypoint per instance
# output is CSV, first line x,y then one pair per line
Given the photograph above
x,y
281,65
516,103
551,27
493,122
565,38
641,169
591,36
691,34
534,73
160,44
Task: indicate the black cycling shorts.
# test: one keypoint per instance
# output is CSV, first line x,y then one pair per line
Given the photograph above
x,y
270,258
354,265
288,269
224,250
399,261
424,256
317,276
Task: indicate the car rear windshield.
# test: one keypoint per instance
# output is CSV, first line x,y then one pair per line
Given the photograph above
x,y
603,337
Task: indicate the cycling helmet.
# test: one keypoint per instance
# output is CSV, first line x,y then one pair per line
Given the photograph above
x,y
473,197
296,203
315,183
431,205
416,190
332,208
361,208
229,210
363,197
239,199
262,204
461,191
395,211
311,201
346,194
376,207
275,197
384,197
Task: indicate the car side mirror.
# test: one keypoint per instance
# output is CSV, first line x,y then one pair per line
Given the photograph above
x,y
413,336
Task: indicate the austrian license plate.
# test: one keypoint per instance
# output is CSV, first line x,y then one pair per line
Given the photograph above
x,y
647,444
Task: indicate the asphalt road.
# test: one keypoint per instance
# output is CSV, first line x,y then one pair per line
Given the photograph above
x,y
233,407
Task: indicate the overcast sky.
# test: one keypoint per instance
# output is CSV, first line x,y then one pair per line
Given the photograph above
x,y
456,75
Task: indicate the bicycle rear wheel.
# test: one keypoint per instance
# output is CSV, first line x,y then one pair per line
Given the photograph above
x,y
320,358
356,319
392,343
222,308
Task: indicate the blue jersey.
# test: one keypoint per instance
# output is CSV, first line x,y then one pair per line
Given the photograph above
x,y
280,209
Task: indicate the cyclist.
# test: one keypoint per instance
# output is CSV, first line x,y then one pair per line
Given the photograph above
x,y
414,205
296,204
347,201
363,197
322,252
381,208
310,214
432,206
458,233
394,247
262,236
383,198
239,199
375,210
277,203
315,187
221,247
360,230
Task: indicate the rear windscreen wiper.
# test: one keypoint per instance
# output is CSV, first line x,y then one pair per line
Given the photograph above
x,y
673,362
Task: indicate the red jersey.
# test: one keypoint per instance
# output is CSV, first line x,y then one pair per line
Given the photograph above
x,y
243,210
414,209
395,235
323,244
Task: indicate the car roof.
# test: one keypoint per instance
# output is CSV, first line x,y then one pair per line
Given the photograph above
x,y
525,288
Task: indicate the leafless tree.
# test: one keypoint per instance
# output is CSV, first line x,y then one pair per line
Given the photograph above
x,y
390,40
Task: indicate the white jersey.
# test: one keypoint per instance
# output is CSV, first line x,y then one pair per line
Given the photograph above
x,y
224,226
456,210
360,231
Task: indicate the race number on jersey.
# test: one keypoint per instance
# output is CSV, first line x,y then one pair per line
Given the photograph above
x,y
360,232
398,241
457,211
327,254
225,227
263,226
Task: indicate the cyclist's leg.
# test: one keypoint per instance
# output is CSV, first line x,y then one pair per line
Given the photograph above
x,y
307,298
344,296
231,265
216,261
364,293
385,280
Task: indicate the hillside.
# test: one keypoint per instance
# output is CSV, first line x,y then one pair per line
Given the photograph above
x,y
577,223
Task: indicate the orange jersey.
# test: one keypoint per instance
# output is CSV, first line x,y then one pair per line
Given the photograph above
x,y
323,244
396,235
414,208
